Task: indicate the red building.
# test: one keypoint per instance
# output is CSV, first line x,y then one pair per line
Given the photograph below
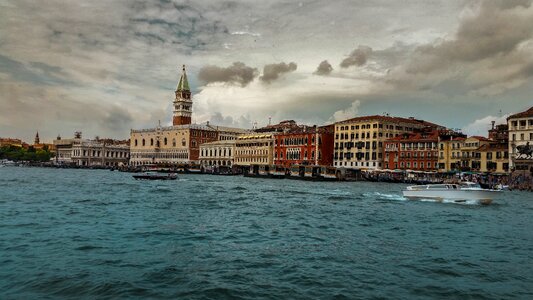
x,y
305,146
414,151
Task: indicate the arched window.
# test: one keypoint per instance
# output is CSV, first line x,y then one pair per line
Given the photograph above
x,y
135,142
151,142
165,141
144,142
183,142
173,142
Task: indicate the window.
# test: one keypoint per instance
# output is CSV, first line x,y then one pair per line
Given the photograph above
x,y
183,142
135,142
144,142
165,141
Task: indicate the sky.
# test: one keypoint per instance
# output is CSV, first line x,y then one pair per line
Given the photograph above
x,y
105,67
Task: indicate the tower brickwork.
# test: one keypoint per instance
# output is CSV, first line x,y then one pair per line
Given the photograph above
x,y
182,102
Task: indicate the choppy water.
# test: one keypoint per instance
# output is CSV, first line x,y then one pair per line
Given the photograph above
x,y
101,234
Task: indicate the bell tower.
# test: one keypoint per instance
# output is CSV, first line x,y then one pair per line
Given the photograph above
x,y
36,141
182,102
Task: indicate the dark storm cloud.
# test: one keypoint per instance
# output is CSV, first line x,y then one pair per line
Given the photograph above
x,y
495,32
272,72
238,73
34,72
183,24
117,119
358,57
324,68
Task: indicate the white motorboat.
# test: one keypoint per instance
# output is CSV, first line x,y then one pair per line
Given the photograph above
x,y
455,192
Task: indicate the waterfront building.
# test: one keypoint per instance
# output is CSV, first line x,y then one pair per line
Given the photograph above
x,y
359,141
176,145
450,153
254,149
470,154
304,145
412,151
494,157
180,143
218,153
4,142
520,144
100,153
91,153
64,150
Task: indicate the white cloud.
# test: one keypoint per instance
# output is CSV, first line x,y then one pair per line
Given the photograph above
x,y
481,126
347,113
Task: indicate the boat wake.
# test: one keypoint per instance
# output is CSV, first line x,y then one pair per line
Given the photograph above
x,y
452,201
399,197
383,196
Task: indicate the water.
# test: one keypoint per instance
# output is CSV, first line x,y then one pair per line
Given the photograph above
x,y
101,234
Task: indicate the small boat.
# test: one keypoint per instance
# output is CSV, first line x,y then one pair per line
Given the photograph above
x,y
458,193
156,176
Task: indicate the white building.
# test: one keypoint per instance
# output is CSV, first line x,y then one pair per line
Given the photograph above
x,y
521,140
219,153
91,153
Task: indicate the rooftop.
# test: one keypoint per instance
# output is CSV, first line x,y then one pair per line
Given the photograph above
x,y
222,143
389,119
432,136
525,114
493,146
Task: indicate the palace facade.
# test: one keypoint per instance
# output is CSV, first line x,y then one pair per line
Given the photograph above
x,y
91,153
218,153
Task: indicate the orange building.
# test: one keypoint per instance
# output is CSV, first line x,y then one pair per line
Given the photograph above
x,y
305,146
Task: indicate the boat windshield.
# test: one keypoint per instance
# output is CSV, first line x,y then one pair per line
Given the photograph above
x,y
470,185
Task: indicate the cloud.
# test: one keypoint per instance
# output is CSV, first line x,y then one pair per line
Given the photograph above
x,y
490,52
358,57
272,72
243,121
347,113
73,62
324,68
497,29
480,127
117,119
237,73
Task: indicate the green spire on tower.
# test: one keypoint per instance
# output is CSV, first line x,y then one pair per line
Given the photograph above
x,y
183,85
